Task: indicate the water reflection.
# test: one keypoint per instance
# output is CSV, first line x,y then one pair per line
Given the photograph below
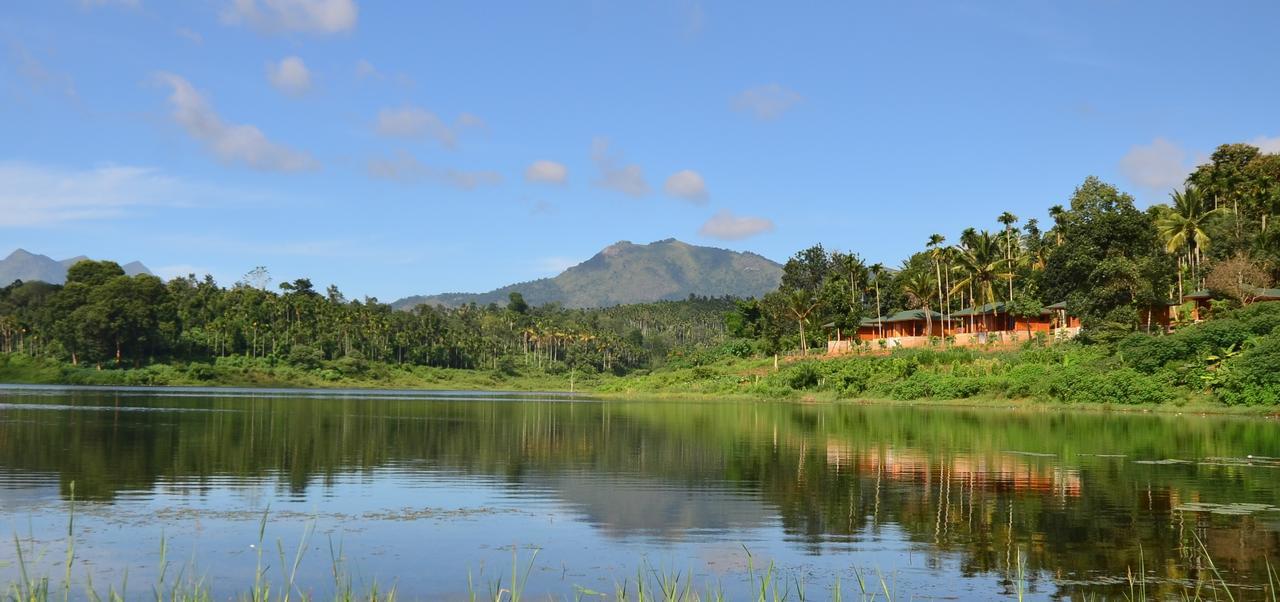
x,y
1078,500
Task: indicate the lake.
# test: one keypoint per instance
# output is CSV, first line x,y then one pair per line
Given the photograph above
x,y
417,490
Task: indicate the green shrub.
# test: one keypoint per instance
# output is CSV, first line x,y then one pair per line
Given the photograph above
x,y
305,356
1253,378
1083,384
803,376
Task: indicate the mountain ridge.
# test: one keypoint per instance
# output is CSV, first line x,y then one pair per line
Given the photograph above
x,y
625,272
24,265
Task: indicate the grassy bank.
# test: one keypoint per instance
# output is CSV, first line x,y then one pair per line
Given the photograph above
x,y
1233,361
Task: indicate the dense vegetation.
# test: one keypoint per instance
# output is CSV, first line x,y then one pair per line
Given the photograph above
x,y
1114,266
104,318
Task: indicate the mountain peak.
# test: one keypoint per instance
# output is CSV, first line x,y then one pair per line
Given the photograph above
x,y
625,272
27,266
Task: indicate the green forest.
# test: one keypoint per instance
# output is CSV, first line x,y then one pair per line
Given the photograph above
x,y
1108,260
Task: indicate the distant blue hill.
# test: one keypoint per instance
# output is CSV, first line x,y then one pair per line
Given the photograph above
x,y
26,266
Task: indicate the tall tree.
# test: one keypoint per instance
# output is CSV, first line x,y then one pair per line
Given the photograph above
x,y
1184,226
983,267
1008,220
1110,263
920,291
877,270
936,253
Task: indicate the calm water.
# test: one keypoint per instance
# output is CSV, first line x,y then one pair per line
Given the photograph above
x,y
417,489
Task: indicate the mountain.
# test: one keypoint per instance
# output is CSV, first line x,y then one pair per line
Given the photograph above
x,y
25,266
629,273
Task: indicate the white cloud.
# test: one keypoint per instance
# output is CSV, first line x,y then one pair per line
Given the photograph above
x,y
688,185
548,172
627,179
191,35
123,3
35,195
231,143
312,16
406,168
766,102
1267,144
416,122
1160,166
38,76
555,265
724,225
290,76
366,70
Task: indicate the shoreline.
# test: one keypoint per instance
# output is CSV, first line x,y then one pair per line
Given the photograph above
x,y
822,398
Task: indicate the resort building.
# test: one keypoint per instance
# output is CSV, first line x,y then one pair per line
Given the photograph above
x,y
968,327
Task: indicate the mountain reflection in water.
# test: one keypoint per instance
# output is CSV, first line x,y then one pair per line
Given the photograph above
x,y
947,499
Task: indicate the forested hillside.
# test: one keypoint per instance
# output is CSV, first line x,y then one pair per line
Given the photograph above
x,y
624,273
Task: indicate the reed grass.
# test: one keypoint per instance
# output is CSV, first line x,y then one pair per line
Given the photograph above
x,y
650,584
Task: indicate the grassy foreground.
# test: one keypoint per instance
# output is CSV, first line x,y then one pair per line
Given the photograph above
x,y
762,584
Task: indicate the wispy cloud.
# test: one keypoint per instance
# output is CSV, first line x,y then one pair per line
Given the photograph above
x,y
38,76
1160,166
1267,144
37,195
190,35
366,70
767,102
404,167
724,225
419,123
547,172
688,185
231,143
120,3
310,16
554,265
290,76
613,174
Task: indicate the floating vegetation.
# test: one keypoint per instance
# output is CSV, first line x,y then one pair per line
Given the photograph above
x,y
1032,454
1163,462
1235,508
1249,461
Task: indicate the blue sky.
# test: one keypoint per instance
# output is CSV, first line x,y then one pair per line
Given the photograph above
x,y
395,148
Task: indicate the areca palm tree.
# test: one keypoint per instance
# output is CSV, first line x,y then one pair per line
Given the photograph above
x,y
876,270
1058,214
1008,219
1183,226
918,288
983,266
936,251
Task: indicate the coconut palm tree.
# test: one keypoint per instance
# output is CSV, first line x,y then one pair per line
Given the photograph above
x,y
801,303
876,270
918,288
1183,226
1008,219
983,266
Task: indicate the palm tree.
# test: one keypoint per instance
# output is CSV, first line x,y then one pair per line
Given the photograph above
x,y
1182,226
876,270
801,303
1008,219
936,252
1059,215
919,291
983,266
